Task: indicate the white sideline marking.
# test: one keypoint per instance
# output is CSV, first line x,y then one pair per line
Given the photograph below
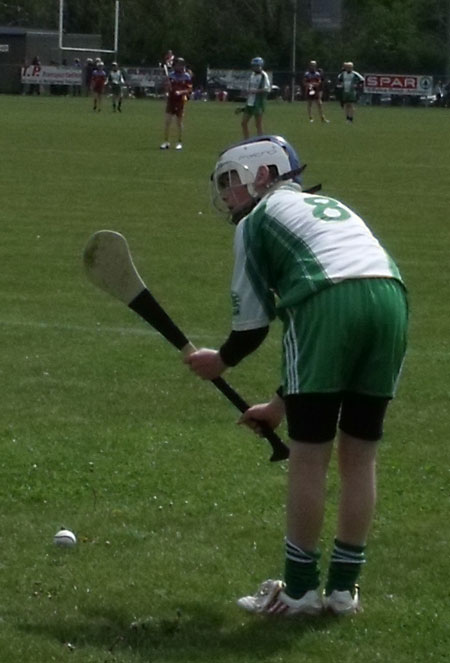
x,y
94,329
148,331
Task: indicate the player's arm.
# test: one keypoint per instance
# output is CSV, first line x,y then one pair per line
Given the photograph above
x,y
186,89
210,364
272,413
250,84
264,86
240,344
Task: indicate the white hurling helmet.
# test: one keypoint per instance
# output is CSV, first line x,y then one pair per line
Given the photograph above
x,y
244,159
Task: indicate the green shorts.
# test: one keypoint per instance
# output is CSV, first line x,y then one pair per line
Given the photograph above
x,y
255,110
349,97
348,337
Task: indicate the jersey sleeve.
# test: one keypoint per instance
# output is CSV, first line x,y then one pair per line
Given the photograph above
x,y
253,303
266,86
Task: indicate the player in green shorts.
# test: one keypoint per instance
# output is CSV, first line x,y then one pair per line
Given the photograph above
x,y
348,82
258,89
313,262
116,81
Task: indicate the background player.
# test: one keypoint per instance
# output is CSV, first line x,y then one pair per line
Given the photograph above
x,y
116,80
98,82
178,88
313,88
258,89
350,81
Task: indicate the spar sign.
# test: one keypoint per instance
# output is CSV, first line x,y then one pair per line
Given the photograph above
x,y
397,84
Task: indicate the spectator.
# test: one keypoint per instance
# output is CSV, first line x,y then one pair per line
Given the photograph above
x,y
287,93
439,93
88,69
446,99
35,88
76,89
169,59
64,89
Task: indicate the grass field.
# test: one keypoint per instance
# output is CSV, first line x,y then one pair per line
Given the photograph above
x,y
104,431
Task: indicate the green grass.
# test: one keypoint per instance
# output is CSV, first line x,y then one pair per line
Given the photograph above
x,y
104,431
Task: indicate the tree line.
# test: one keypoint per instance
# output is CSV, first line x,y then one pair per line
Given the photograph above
x,y
397,36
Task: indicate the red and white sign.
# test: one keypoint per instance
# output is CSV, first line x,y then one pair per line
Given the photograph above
x,y
51,75
397,84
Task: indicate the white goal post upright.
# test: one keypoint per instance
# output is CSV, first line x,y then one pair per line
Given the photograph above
x,y
89,50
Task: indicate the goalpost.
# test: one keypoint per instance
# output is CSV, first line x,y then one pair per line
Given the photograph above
x,y
97,50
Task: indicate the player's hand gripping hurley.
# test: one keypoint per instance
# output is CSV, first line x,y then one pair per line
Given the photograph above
x,y
110,267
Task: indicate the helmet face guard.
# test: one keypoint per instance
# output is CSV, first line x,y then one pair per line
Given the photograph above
x,y
238,165
230,176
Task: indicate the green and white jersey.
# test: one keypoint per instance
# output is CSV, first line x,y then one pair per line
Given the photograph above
x,y
258,81
294,244
350,80
116,77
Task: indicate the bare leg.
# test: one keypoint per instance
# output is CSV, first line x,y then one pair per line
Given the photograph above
x,y
167,123
320,107
180,128
259,126
308,464
244,125
349,111
357,468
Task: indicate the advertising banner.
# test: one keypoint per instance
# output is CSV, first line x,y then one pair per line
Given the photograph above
x,y
144,77
230,79
398,84
51,75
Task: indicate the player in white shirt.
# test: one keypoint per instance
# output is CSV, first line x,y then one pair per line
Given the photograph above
x,y
116,81
313,262
349,81
258,89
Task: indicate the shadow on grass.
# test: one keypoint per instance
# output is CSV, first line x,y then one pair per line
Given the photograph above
x,y
192,633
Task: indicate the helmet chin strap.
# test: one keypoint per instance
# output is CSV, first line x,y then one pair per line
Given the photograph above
x,y
289,175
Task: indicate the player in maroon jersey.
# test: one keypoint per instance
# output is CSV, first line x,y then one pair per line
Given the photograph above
x,y
178,89
98,82
312,86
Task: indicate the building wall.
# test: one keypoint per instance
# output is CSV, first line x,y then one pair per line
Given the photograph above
x,y
11,60
21,45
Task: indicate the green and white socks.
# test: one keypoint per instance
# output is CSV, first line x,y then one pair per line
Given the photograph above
x,y
302,572
345,567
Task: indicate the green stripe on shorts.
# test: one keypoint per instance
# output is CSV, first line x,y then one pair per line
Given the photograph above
x,y
351,336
